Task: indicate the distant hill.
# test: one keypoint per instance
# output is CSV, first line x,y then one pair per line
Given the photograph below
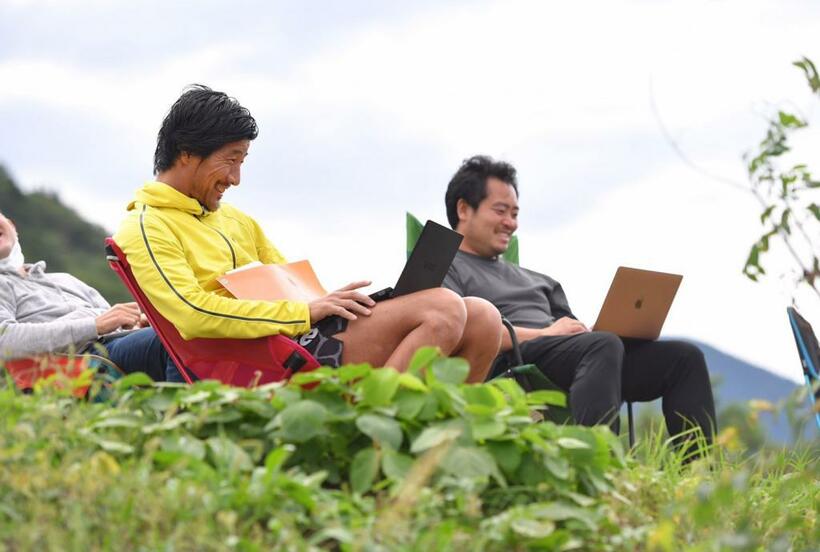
x,y
51,231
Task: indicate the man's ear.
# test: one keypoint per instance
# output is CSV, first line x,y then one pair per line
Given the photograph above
x,y
463,210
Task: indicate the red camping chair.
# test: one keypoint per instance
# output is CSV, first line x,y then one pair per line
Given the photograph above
x,y
239,362
27,371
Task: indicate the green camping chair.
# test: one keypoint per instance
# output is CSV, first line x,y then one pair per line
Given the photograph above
x,y
528,376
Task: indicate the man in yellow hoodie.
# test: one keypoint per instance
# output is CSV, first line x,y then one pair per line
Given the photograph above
x,y
179,238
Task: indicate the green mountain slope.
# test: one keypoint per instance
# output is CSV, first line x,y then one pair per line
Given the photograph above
x,y
53,232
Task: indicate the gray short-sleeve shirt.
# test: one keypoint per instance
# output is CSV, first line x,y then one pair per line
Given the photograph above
x,y
524,297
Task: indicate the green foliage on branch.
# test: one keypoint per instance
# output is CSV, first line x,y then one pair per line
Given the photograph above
x,y
788,195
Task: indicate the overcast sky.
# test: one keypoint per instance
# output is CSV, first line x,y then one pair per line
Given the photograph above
x,y
367,108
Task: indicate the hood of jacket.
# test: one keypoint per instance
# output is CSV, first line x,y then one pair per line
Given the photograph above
x,y
159,194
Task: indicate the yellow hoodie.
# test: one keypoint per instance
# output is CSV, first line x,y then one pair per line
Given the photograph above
x,y
177,249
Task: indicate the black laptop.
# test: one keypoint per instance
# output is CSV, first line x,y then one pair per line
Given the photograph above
x,y
428,263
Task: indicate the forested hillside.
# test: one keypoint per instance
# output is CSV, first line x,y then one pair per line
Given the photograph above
x,y
51,231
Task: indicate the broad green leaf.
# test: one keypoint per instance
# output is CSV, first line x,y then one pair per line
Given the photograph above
x,y
766,213
558,467
409,381
506,454
469,462
335,404
409,403
261,408
430,410
509,387
171,423
396,465
379,386
556,511
286,396
529,471
115,446
195,397
450,370
351,372
131,380
227,453
302,420
484,395
790,121
480,410
160,400
572,443
422,359
224,416
549,397
118,420
276,458
184,444
487,429
312,376
532,528
386,431
363,470
433,436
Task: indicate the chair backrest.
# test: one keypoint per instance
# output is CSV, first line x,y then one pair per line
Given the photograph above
x,y
27,371
414,228
809,351
240,362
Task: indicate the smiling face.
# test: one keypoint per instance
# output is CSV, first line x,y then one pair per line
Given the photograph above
x,y
212,175
8,235
488,229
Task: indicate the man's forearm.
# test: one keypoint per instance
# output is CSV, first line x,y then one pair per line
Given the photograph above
x,y
25,339
523,334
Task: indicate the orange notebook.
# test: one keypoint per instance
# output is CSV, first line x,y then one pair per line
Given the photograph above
x,y
293,281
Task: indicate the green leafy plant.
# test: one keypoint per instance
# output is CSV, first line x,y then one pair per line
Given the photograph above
x,y
325,446
787,195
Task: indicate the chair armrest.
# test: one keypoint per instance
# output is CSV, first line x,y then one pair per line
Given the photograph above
x,y
516,349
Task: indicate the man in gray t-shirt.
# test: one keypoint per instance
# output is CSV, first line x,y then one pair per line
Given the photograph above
x,y
599,370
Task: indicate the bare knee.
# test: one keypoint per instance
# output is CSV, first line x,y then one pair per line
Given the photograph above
x,y
445,314
483,318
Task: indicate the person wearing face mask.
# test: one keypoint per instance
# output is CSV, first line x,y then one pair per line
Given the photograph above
x,y
45,312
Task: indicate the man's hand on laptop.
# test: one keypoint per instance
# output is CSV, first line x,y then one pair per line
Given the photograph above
x,y
122,315
565,326
345,302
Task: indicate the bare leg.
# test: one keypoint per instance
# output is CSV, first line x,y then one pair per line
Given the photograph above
x,y
481,340
398,327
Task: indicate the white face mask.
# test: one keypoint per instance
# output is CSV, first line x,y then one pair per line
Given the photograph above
x,y
15,259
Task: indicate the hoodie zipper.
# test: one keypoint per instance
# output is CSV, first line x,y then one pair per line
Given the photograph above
x,y
233,253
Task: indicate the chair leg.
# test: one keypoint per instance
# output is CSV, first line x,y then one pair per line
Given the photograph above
x,y
631,424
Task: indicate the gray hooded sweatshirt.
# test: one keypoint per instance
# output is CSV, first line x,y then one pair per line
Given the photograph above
x,y
46,313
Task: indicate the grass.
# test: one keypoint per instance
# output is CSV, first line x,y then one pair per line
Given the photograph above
x,y
347,465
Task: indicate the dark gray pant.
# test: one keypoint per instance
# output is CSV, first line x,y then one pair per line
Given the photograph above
x,y
600,370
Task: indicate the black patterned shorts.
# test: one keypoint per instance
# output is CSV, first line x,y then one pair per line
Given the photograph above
x,y
320,343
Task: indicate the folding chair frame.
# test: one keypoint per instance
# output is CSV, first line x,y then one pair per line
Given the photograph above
x,y
239,362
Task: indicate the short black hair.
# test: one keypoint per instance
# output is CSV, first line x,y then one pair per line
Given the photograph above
x,y
470,183
200,122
